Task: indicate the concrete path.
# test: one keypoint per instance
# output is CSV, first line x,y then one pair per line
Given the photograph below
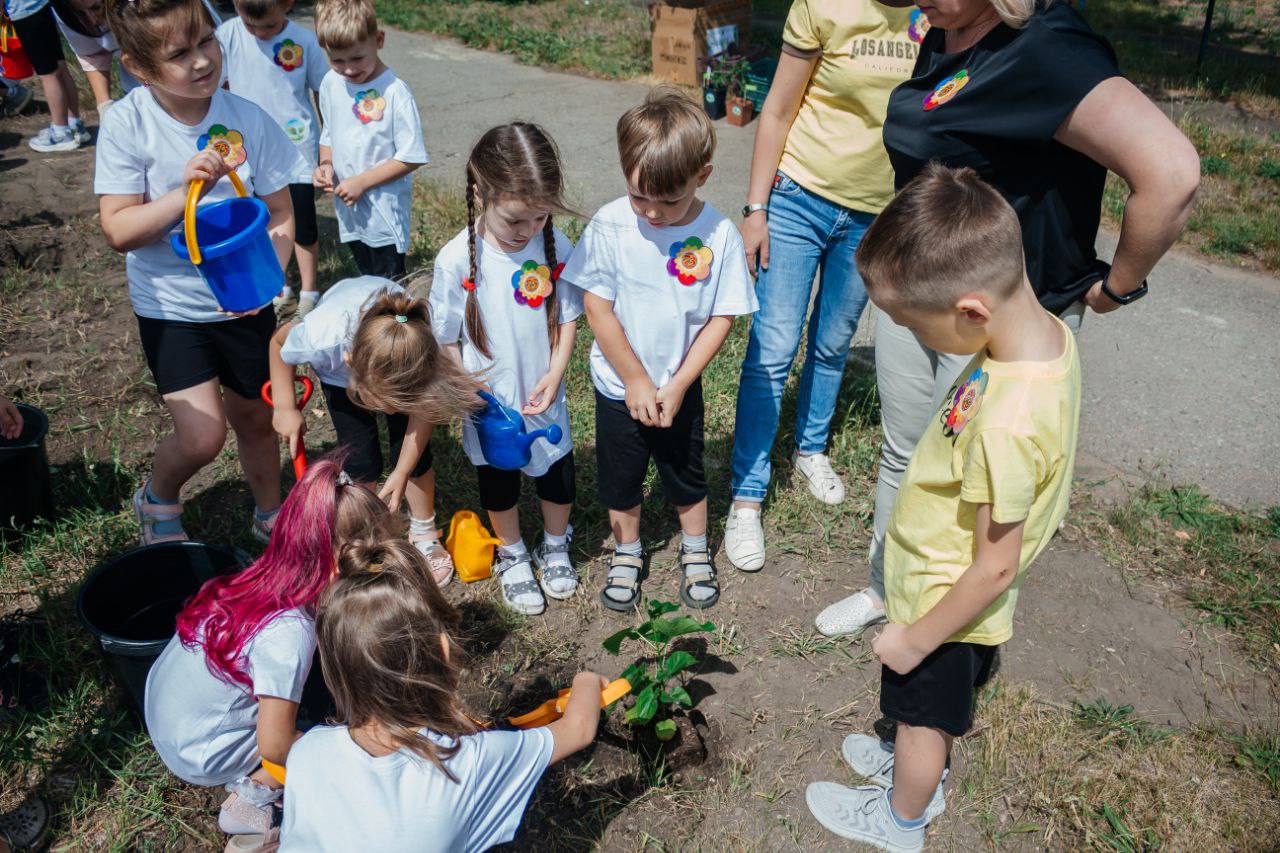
x,y
1185,384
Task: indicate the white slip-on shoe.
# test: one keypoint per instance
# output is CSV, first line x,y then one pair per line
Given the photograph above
x,y
850,615
823,482
744,539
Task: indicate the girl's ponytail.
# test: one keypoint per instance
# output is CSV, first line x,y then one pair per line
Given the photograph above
x,y
475,323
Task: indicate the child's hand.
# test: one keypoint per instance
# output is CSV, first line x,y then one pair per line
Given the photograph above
x,y
543,395
642,401
350,190
323,177
10,419
289,425
392,493
894,648
670,398
205,166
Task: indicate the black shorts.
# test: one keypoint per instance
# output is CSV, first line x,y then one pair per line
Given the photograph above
x,y
305,230
624,445
939,693
182,354
357,431
41,40
500,490
384,261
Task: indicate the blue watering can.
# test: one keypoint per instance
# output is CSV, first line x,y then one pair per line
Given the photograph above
x,y
503,439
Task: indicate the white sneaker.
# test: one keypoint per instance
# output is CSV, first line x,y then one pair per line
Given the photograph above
x,y
45,141
861,814
744,539
873,758
850,615
823,482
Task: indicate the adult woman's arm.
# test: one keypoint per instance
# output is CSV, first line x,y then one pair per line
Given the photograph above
x,y
1119,127
786,93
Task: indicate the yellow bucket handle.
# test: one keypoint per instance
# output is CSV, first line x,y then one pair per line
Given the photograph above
x,y
189,213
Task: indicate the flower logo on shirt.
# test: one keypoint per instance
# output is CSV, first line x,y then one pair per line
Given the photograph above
x,y
369,106
689,261
227,144
964,402
295,129
919,26
288,54
947,89
533,283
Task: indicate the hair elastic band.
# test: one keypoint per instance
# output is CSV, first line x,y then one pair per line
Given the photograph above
x,y
375,567
344,479
400,318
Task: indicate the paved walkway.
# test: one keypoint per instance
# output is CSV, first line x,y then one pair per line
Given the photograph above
x,y
1186,383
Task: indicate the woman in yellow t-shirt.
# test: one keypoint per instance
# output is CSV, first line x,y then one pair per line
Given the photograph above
x,y
819,175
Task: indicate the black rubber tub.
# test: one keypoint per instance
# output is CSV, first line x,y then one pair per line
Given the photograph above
x,y
24,470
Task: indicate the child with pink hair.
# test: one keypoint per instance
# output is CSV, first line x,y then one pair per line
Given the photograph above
x,y
224,694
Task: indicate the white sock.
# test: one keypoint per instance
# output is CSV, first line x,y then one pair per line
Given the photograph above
x,y
285,292
693,543
632,549
60,130
516,549
422,526
309,295
552,539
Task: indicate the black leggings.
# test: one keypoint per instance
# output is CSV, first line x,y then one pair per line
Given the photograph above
x,y
357,431
500,489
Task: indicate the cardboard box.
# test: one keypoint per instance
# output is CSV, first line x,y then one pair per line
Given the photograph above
x,y
685,31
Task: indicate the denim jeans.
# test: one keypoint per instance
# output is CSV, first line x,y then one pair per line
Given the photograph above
x,y
807,233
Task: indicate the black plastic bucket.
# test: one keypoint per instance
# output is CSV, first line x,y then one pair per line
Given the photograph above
x,y
131,603
24,469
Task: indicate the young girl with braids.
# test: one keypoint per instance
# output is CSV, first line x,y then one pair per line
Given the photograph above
x,y
224,694
496,298
404,768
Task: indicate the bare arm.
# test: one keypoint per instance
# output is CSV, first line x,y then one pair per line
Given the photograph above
x,y
704,348
130,221
350,189
280,224
641,393
1120,128
786,93
415,442
548,387
577,728
994,569
286,420
277,728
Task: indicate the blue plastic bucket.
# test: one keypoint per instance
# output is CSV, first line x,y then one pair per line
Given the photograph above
x,y
239,263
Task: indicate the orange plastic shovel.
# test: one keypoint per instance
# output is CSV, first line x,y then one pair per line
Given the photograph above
x,y
553,709
299,458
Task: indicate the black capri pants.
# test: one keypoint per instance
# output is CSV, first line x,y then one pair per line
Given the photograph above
x,y
500,489
624,446
357,431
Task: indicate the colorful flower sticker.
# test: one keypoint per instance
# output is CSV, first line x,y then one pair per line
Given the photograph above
x,y
919,26
227,144
965,400
369,106
689,261
295,129
947,89
532,283
288,54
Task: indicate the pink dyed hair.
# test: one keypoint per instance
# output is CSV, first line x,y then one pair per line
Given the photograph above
x,y
300,560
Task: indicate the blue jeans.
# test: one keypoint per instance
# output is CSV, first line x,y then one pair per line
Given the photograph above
x,y
806,233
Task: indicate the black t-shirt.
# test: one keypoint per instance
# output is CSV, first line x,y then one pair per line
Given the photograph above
x,y
995,108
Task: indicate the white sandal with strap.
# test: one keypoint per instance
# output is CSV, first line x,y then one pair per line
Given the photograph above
x,y
149,514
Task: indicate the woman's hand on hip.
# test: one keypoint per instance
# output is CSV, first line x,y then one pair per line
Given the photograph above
x,y
755,240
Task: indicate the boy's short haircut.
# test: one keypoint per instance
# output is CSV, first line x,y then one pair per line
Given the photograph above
x,y
946,234
341,24
664,142
258,9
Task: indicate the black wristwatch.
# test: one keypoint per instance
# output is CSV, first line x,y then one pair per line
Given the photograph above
x,y
1131,296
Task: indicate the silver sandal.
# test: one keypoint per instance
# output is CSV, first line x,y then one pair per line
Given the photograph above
x,y
549,571
512,590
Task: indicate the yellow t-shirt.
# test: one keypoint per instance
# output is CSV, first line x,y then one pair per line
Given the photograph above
x,y
1005,435
834,148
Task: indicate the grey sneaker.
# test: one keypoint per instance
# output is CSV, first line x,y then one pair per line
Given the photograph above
x,y
519,588
305,307
16,100
873,758
861,814
556,574
45,141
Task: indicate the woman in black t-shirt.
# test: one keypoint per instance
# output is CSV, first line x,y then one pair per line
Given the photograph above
x,y
1032,99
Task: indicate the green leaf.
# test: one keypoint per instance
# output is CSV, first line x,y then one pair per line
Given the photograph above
x,y
658,608
666,629
676,662
645,708
639,677
614,643
665,729
677,694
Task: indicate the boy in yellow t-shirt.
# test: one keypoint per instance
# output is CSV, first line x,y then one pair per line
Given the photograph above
x,y
985,491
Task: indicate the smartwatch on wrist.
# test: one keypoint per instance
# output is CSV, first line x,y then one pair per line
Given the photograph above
x,y
1126,298
748,209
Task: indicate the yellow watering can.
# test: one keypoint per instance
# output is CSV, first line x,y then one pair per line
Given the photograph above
x,y
471,546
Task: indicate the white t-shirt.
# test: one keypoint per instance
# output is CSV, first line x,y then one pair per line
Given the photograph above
x,y
340,797
517,332
366,124
142,149
206,729
279,75
19,9
644,270
325,334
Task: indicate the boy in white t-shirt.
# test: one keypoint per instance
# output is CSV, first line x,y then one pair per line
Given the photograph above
x,y
663,275
371,142
277,64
